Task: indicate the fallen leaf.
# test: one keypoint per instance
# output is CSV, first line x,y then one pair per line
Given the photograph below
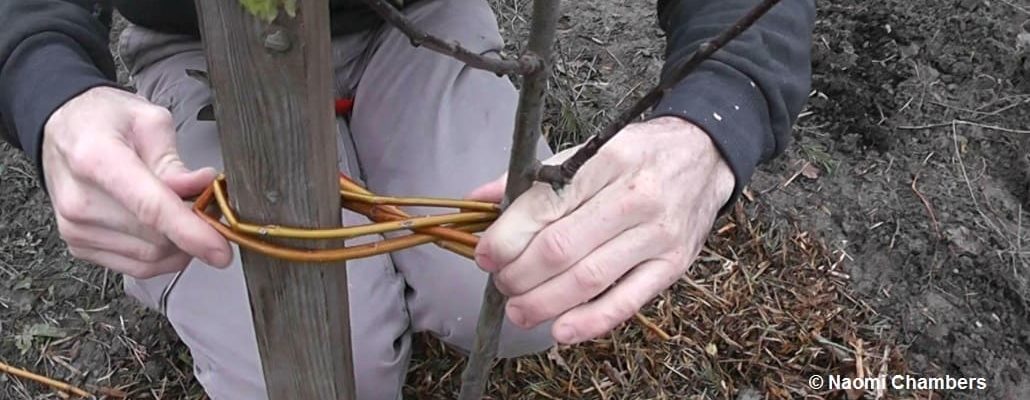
x,y
810,171
711,349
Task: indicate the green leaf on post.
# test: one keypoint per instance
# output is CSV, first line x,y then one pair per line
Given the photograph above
x,y
267,10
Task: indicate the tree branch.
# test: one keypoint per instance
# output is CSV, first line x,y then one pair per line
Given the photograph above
x,y
521,166
560,175
525,65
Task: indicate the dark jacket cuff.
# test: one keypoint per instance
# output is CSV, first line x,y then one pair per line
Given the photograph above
x,y
728,106
42,73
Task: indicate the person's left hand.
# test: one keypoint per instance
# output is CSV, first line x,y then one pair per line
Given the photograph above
x,y
627,227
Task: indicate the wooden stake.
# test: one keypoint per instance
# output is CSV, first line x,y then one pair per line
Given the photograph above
x,y
272,89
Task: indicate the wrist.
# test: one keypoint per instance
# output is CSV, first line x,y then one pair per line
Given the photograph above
x,y
705,154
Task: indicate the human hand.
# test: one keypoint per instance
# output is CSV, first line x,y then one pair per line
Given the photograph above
x,y
117,183
627,227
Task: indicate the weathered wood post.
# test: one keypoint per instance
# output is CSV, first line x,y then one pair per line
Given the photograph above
x,y
271,78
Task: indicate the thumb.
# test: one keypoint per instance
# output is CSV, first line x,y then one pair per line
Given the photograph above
x,y
153,136
492,191
185,182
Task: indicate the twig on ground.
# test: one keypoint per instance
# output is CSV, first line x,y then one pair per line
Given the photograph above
x,y
983,113
929,208
559,175
528,121
1021,9
651,326
1019,241
969,185
527,64
962,122
58,385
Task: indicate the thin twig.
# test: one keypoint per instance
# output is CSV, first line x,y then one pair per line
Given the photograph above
x,y
1019,241
1021,9
528,121
969,185
651,326
962,122
525,65
929,208
63,387
559,175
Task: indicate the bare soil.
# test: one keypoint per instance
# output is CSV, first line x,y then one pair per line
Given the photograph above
x,y
889,238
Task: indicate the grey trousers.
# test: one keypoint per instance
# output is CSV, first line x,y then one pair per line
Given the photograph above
x,y
422,124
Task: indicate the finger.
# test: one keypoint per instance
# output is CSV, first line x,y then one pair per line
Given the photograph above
x,y
534,210
98,238
124,176
86,206
564,242
153,136
585,280
618,304
134,268
492,191
187,183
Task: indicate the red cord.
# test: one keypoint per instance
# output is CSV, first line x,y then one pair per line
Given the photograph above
x,y
344,106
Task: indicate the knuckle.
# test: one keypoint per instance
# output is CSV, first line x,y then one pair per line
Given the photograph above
x,y
619,312
503,282
70,235
556,248
590,277
665,231
148,211
76,252
497,250
152,117
617,156
72,208
678,263
84,160
148,254
646,198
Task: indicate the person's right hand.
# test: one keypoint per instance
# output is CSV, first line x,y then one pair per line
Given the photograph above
x,y
117,183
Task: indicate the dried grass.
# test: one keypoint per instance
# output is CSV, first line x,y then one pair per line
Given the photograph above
x,y
758,315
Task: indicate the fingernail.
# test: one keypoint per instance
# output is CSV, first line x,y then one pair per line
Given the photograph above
x,y
215,258
565,334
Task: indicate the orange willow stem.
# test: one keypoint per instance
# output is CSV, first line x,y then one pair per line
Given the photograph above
x,y
421,201
223,202
64,387
362,230
452,232
447,235
353,231
653,327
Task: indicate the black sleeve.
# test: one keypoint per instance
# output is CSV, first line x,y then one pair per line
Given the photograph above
x,y
50,51
749,94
